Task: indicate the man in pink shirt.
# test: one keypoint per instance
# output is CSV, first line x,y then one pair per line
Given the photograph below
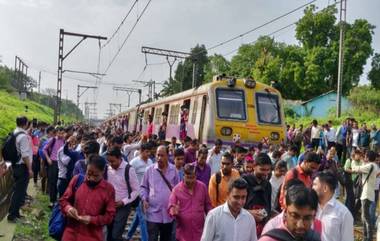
x,y
189,203
299,215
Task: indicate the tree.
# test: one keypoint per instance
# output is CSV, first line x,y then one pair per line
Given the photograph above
x,y
217,64
374,73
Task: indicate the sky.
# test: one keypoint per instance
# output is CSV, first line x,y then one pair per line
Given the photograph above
x,y
30,30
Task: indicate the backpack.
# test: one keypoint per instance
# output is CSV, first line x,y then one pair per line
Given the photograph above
x,y
135,202
283,235
57,221
9,149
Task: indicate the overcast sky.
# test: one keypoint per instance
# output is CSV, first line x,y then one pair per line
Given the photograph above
x,y
30,28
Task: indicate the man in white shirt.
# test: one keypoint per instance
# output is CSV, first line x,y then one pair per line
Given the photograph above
x,y
315,134
140,164
337,220
215,156
126,192
369,171
230,221
22,170
129,147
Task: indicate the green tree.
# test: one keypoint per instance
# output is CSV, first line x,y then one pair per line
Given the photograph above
x,y
374,73
217,65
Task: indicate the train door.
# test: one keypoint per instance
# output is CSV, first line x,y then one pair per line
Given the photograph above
x,y
201,131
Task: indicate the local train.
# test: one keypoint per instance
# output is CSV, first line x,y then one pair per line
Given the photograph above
x,y
227,108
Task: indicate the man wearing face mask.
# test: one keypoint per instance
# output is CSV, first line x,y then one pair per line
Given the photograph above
x,y
259,191
231,221
302,172
93,206
299,214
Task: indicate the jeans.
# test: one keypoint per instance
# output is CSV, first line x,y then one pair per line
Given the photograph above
x,y
162,230
117,227
366,218
52,180
62,185
139,219
21,181
373,208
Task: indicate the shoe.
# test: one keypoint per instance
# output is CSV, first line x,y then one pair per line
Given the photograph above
x,y
15,219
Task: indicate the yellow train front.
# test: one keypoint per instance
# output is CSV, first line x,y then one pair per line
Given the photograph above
x,y
246,110
227,108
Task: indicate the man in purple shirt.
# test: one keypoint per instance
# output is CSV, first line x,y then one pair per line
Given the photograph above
x,y
157,184
51,155
189,203
203,170
191,152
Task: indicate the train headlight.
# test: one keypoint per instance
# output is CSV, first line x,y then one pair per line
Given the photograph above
x,y
231,82
250,83
274,136
226,131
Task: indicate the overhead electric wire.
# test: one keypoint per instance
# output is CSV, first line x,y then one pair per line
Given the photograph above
x,y
121,24
279,30
127,37
260,26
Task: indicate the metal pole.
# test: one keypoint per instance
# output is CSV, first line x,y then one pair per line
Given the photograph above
x,y
129,99
57,109
39,82
140,92
343,6
193,84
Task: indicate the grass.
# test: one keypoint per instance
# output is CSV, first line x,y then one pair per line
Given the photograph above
x,y
37,216
11,107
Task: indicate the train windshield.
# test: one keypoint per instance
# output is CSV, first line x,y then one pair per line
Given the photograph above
x,y
268,108
231,104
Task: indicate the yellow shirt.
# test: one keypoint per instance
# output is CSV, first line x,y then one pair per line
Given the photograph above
x,y
223,188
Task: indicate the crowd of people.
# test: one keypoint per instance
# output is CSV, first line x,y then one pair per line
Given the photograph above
x,y
314,187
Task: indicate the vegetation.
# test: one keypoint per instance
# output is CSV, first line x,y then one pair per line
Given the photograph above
x,y
37,218
11,107
374,73
302,71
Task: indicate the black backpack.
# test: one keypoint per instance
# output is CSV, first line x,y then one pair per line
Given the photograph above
x,y
9,149
282,235
218,179
136,202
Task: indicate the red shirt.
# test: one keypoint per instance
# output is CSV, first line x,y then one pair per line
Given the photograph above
x,y
301,175
98,203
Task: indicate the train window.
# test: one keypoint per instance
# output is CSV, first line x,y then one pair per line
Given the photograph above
x,y
268,108
194,114
174,113
158,116
231,104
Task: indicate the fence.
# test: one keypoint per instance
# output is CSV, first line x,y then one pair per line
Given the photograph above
x,y
6,183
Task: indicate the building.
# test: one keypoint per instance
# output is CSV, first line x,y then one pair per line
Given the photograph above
x,y
319,106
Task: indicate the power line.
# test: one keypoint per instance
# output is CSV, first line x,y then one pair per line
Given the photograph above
x,y
262,25
278,30
121,24
127,37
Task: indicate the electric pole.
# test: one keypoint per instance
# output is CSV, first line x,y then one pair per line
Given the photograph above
x,y
89,109
39,82
61,58
79,94
173,54
20,76
118,106
129,92
342,23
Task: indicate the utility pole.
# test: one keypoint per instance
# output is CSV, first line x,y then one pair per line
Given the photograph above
x,y
343,11
79,94
118,106
20,76
151,88
173,54
39,82
89,109
61,58
129,92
